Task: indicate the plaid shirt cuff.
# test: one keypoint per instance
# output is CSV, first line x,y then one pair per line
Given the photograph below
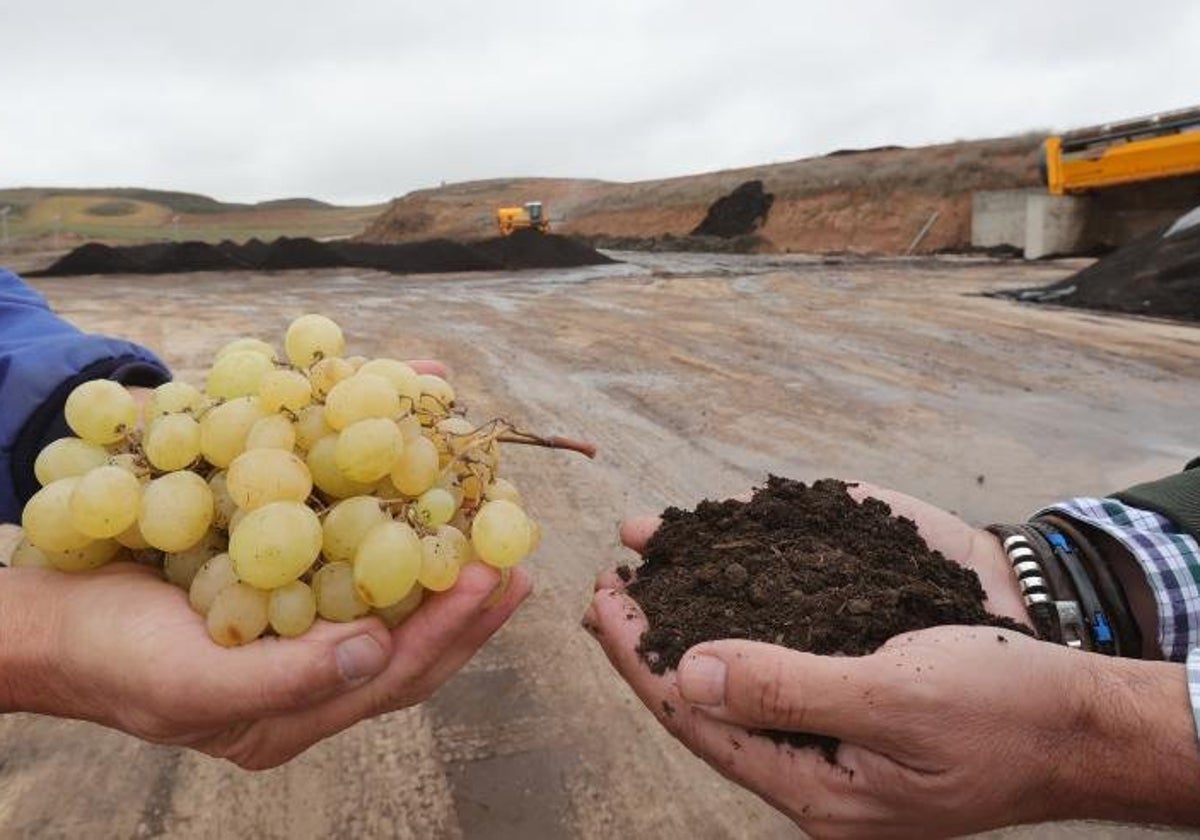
x,y
1170,560
1193,677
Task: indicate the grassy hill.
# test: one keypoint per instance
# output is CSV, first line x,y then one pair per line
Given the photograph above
x,y
45,216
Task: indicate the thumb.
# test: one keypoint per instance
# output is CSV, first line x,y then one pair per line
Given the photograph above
x,y
762,686
276,675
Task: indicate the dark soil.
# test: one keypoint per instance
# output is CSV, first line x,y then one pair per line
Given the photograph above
x,y
804,567
523,249
740,213
748,244
1153,275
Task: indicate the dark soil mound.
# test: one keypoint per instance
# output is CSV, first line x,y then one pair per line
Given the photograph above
x,y
530,249
1156,275
740,213
431,256
524,249
805,567
92,258
750,244
300,252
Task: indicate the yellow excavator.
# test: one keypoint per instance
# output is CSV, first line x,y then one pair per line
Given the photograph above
x,y
529,215
1162,145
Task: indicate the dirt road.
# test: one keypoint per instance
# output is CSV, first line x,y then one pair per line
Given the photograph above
x,y
695,375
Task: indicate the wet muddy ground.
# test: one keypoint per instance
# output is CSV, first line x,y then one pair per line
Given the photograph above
x,y
695,375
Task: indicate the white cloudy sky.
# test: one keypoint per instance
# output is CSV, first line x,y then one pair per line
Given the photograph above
x,y
362,100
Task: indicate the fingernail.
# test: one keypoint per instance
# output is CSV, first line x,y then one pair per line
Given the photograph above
x,y
702,680
359,658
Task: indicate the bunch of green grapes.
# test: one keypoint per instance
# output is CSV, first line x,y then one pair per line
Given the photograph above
x,y
321,486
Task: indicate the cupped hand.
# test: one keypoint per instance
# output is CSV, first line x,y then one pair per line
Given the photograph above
x,y
120,647
943,731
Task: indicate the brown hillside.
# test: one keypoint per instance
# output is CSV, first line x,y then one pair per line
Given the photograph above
x,y
874,201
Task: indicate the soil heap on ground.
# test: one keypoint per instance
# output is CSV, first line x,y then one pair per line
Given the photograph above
x,y
523,249
1158,274
740,213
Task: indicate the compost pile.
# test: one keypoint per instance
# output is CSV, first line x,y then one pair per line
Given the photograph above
x,y
523,249
1157,274
741,212
802,566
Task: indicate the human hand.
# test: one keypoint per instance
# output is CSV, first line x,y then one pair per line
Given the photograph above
x,y
943,731
120,647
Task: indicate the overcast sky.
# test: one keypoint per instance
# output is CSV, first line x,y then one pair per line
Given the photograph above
x,y
355,101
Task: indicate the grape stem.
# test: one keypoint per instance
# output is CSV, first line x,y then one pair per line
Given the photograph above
x,y
555,442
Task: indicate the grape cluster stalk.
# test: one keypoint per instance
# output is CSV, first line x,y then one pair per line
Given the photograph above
x,y
320,486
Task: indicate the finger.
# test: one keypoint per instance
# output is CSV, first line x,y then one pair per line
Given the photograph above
x,y
637,531
476,636
765,686
277,675
417,645
612,579
774,771
428,366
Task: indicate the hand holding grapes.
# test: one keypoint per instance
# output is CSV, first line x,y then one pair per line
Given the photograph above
x,y
120,647
349,490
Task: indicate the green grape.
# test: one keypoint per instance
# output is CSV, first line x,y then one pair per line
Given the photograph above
x,y
292,609
285,389
224,507
500,534
435,507
345,525
311,427
47,518
416,470
356,362
437,397
403,378
238,615
410,427
457,434
326,373
259,476
272,432
180,568
67,457
387,491
456,543
502,488
360,397
101,411
213,576
224,429
275,544
173,442
238,515
337,599
238,374
322,463
132,463
132,538
27,555
439,563
91,556
175,398
311,338
252,345
386,563
105,502
176,511
366,450
398,613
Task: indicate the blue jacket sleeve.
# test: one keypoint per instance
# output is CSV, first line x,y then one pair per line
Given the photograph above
x,y
42,358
